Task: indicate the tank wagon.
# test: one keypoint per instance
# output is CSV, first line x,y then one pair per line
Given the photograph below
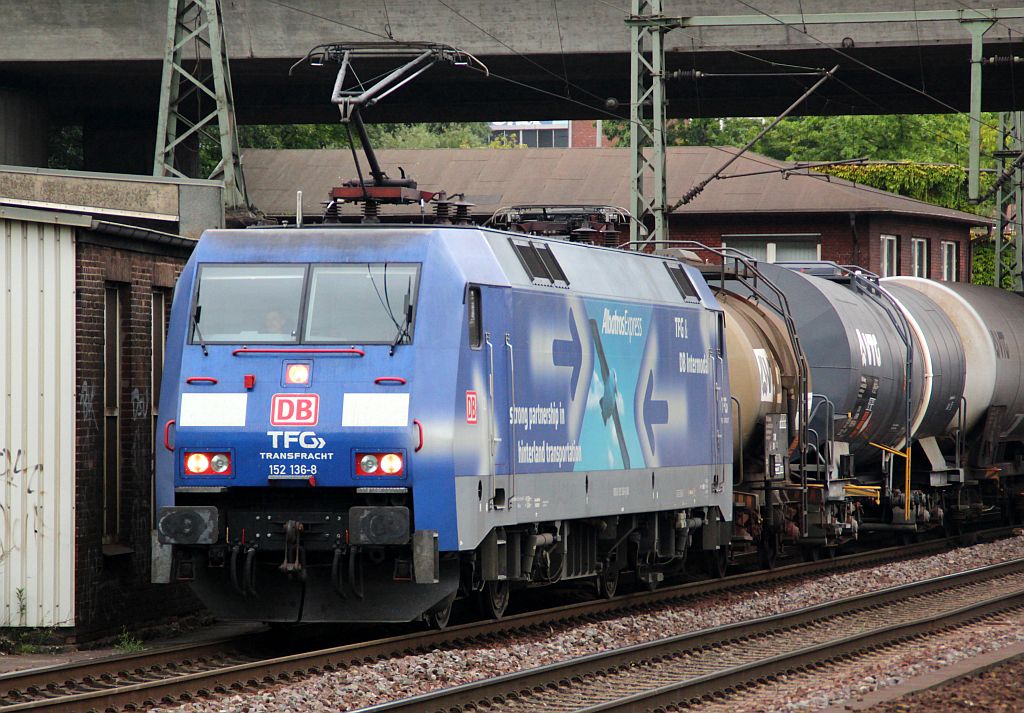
x,y
365,422
910,390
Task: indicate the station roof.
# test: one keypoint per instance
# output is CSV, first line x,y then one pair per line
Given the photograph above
x,y
492,178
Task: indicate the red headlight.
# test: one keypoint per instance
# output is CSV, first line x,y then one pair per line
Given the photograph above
x,y
380,464
205,463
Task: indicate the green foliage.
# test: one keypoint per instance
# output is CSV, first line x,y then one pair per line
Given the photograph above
x,y
127,643
940,184
65,148
983,265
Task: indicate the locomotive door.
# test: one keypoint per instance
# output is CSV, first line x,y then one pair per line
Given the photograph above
x,y
720,395
496,319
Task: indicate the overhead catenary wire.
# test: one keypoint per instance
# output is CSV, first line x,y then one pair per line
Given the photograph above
x,y
857,61
599,110
696,190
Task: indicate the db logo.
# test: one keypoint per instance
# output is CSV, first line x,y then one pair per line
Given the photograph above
x,y
294,409
470,407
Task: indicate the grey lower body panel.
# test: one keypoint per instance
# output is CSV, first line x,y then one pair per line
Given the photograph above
x,y
543,497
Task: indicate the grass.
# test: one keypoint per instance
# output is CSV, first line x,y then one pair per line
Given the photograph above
x,y
128,643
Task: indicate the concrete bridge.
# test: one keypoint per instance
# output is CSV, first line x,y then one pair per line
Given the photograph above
x,y
97,64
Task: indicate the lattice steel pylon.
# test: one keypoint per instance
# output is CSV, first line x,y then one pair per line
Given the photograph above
x,y
648,197
1011,193
195,99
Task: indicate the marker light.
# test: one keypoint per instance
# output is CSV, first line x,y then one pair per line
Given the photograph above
x,y
296,374
380,464
207,463
391,464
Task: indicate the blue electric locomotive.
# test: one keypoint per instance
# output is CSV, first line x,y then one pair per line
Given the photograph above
x,y
364,422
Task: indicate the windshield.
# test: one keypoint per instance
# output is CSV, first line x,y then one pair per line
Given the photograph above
x,y
352,303
361,303
249,304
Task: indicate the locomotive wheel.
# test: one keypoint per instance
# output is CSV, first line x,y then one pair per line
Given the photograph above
x,y
493,598
716,562
437,618
608,583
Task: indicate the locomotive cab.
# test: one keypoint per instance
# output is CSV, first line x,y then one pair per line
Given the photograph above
x,y
295,419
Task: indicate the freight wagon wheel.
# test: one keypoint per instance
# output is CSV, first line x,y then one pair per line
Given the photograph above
x,y
768,548
493,598
437,618
716,562
812,553
608,582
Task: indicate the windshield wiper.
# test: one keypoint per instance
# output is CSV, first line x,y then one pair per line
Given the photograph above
x,y
199,332
403,331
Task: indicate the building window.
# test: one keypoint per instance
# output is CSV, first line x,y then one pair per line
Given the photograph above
x,y
535,134
113,343
796,247
158,335
920,249
890,263
950,261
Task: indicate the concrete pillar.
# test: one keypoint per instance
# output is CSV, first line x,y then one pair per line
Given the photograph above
x,y
23,129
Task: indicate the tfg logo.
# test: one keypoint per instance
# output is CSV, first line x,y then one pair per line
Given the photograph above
x,y
294,409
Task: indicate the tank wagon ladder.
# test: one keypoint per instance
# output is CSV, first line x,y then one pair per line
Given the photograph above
x,y
744,270
867,283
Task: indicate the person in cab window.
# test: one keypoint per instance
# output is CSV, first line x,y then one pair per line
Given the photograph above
x,y
275,323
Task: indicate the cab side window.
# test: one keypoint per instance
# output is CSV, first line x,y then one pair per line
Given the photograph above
x,y
476,324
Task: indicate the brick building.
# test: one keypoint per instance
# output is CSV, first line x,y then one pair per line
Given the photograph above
x,y
91,265
765,207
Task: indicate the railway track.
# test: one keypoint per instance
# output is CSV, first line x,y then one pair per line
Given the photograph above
x,y
688,669
175,674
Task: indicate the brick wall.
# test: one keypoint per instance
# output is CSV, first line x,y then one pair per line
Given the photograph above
x,y
112,587
845,240
584,134
906,229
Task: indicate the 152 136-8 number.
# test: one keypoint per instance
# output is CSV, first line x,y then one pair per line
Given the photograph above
x,y
293,469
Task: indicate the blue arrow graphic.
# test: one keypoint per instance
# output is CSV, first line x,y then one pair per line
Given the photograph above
x,y
569,352
655,412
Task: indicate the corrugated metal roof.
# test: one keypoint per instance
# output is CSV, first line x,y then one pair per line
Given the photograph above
x,y
492,178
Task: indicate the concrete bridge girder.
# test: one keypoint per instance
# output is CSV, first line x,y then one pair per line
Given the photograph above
x,y
99,63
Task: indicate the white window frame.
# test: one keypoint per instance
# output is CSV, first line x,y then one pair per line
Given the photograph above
x,y
950,249
771,241
889,260
921,257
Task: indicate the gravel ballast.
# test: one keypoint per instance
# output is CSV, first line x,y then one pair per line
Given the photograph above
x,y
381,681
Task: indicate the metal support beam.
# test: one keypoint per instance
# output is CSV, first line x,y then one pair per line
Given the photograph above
x,y
1011,144
977,28
829,18
198,102
647,113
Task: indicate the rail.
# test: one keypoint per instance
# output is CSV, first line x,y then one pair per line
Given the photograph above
x,y
166,676
673,671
